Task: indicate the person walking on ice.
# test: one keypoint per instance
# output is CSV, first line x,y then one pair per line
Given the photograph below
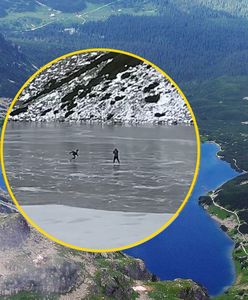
x,y
74,154
116,155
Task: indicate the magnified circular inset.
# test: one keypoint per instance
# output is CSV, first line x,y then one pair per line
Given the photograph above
x,y
100,150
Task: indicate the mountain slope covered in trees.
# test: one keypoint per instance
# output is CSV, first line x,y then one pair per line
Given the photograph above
x,y
233,7
14,68
188,45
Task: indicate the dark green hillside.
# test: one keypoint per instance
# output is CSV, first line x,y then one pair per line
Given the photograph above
x,y
72,6
233,196
238,8
14,68
65,5
9,6
188,47
221,109
17,6
231,7
191,40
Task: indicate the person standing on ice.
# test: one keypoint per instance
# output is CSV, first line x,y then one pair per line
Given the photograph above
x,y
116,155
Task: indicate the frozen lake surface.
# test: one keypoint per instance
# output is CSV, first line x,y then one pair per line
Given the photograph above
x,y
90,194
157,165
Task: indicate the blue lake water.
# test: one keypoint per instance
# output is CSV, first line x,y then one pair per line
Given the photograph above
x,y
1,181
193,246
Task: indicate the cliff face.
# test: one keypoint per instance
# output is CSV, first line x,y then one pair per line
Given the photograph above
x,y
30,263
33,267
101,86
13,230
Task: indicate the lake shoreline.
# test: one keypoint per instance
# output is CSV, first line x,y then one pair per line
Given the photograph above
x,y
103,122
218,280
225,224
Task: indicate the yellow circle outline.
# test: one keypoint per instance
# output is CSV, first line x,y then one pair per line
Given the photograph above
x,y
23,212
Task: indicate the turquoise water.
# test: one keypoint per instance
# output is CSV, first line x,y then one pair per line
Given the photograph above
x,y
193,246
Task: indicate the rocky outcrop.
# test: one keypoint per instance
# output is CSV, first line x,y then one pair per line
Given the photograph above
x,y
178,289
31,263
135,269
194,291
114,285
55,278
101,87
14,230
39,266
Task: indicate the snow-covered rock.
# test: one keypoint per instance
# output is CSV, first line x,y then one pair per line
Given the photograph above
x,y
4,104
101,87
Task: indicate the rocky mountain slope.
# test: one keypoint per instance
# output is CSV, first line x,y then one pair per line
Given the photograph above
x,y
33,267
101,86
